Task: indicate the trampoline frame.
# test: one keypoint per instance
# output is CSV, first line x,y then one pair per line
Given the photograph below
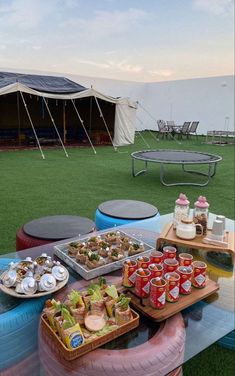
x,y
212,164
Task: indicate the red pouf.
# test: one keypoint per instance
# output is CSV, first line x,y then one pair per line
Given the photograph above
x,y
24,241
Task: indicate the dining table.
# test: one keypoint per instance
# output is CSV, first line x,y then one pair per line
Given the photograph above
x,y
153,348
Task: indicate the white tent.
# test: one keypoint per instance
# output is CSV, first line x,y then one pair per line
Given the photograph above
x,y
125,109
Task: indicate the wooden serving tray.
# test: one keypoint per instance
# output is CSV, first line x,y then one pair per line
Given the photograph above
x,y
168,235
170,309
68,354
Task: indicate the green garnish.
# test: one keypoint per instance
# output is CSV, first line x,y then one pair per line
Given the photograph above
x,y
56,305
136,246
75,298
68,319
74,244
123,302
112,291
114,253
102,281
94,257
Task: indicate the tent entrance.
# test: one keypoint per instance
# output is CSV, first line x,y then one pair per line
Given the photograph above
x,y
16,130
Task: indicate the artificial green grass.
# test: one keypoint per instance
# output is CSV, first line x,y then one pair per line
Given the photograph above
x,y
214,361
32,187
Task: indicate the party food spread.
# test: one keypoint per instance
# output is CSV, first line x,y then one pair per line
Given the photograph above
x,y
97,255
88,316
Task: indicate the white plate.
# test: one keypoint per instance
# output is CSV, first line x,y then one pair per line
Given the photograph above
x,y
11,290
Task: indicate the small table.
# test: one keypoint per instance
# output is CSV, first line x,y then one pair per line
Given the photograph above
x,y
118,212
52,228
180,157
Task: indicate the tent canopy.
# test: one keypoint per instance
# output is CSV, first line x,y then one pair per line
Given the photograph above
x,y
47,84
51,87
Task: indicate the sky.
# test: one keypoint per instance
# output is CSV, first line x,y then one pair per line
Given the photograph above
x,y
133,40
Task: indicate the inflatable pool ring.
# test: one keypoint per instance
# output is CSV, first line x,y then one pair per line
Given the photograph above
x,y
18,318
103,221
228,341
161,353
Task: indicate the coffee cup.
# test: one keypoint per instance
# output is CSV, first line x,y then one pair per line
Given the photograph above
x,y
221,218
218,228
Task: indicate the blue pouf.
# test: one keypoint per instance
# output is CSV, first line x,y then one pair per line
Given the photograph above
x,y
19,319
120,212
228,341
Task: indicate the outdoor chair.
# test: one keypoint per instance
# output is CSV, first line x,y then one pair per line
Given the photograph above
x,y
183,130
163,128
171,125
193,129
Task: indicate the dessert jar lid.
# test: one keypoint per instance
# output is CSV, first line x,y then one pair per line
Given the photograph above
x,y
182,200
201,203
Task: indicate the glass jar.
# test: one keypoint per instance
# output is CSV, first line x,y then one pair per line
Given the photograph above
x,y
201,213
181,209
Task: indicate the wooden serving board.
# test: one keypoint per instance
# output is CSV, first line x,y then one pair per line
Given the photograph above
x,y
170,309
168,235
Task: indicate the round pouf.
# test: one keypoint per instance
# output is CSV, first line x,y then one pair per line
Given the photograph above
x,y
50,229
19,319
120,212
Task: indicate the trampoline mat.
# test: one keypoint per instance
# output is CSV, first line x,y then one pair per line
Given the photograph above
x,y
174,156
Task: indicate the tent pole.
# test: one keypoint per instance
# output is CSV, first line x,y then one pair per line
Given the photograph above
x,y
101,115
35,134
81,121
64,122
18,116
55,127
90,116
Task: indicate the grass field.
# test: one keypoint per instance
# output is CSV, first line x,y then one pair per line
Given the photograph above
x,y
32,187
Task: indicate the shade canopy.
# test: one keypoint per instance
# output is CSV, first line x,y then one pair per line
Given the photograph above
x,y
47,84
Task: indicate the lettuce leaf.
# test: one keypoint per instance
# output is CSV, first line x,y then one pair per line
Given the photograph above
x,y
112,291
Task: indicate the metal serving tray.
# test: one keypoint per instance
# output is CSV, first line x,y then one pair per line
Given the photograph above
x,y
61,251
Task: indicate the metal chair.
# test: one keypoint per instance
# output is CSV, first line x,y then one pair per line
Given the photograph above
x,y
183,130
193,129
162,128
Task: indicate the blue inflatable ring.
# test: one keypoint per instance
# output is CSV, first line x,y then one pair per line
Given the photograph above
x,y
18,327
103,221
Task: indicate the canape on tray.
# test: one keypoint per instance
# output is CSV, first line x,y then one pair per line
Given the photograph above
x,y
135,248
86,315
113,237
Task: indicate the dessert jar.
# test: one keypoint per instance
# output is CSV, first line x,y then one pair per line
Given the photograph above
x,y
181,210
201,213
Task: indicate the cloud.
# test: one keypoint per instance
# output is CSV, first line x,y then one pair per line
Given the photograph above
x,y
36,48
161,73
29,14
218,7
90,62
106,23
121,66
25,14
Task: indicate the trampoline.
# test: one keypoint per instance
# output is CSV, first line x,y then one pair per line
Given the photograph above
x,y
177,157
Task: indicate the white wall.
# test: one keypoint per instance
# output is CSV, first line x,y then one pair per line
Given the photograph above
x,y
208,100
